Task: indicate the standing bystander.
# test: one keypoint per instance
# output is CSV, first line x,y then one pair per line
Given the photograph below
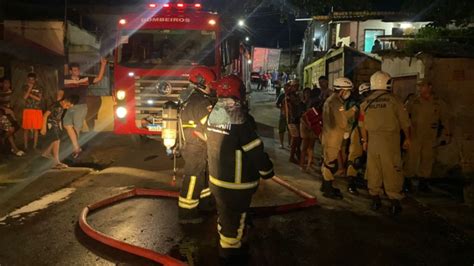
x,y
32,113
76,84
307,133
52,128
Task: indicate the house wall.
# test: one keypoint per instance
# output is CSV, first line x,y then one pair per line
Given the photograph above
x,y
376,24
49,34
372,25
453,81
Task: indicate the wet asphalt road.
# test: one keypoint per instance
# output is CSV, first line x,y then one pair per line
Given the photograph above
x,y
333,233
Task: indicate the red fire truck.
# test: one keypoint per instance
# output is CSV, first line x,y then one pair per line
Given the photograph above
x,y
155,51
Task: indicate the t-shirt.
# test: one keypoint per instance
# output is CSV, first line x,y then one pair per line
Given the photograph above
x,y
77,87
5,98
31,103
54,119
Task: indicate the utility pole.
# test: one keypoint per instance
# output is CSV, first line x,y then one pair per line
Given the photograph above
x,y
289,41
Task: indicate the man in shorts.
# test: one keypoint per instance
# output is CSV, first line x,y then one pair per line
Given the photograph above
x,y
75,84
52,129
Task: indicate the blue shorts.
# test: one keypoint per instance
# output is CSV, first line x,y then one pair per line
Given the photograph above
x,y
75,116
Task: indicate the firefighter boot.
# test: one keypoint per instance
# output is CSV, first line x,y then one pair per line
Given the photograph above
x,y
207,205
423,185
376,203
407,185
190,216
395,208
331,192
352,187
234,257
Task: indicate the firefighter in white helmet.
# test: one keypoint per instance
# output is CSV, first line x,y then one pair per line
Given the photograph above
x,y
335,129
237,161
381,118
364,90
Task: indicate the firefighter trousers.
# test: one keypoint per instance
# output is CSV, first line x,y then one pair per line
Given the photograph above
x,y
355,153
232,206
330,162
419,157
195,185
384,164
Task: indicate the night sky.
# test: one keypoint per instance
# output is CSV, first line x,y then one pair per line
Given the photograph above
x,y
263,24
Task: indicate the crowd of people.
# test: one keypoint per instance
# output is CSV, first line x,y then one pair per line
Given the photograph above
x,y
272,80
46,117
363,134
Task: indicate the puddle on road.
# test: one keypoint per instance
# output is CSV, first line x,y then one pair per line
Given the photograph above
x,y
34,207
93,165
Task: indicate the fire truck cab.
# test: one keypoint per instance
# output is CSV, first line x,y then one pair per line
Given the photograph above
x,y
155,51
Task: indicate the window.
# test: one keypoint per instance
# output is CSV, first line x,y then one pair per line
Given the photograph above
x,y
153,48
369,39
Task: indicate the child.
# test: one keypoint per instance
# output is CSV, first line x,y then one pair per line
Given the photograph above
x,y
32,114
52,128
8,130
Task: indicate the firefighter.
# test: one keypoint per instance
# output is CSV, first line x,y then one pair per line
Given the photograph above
x,y
356,157
382,115
335,129
426,111
195,189
236,163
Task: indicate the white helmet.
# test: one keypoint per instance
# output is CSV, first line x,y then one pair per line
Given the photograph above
x,y
380,81
364,87
342,84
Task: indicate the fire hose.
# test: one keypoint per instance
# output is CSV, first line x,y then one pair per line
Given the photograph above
x,y
308,201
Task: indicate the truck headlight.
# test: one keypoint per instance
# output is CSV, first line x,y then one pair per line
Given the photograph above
x,y
121,112
121,95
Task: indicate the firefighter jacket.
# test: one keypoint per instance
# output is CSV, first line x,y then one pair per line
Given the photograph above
x,y
426,116
193,117
383,112
335,121
235,153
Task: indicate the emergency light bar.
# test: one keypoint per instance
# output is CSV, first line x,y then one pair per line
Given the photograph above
x,y
177,5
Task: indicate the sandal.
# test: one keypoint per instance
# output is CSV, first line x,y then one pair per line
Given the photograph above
x,y
60,166
18,153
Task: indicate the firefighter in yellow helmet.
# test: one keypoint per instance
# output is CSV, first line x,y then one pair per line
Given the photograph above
x,y
428,114
195,189
382,116
335,130
237,161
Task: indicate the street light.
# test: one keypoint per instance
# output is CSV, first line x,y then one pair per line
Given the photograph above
x,y
247,39
241,23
